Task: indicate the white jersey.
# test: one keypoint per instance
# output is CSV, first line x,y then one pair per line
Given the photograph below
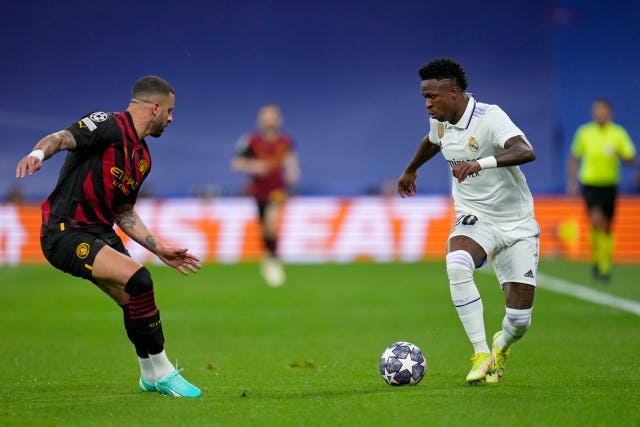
x,y
499,195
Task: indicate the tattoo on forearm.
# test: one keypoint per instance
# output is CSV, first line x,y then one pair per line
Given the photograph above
x,y
126,219
67,141
150,243
56,142
129,221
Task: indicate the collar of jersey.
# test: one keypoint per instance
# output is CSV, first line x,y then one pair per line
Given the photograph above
x,y
465,120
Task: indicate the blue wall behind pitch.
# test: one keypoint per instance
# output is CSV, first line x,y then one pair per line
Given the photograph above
x,y
344,72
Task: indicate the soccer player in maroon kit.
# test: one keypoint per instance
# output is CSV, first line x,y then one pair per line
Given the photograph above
x,y
267,155
107,161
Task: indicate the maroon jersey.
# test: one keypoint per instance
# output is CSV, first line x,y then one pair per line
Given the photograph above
x,y
104,172
272,186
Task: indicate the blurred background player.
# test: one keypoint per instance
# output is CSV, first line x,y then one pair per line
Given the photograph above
x,y
98,185
267,155
597,150
493,204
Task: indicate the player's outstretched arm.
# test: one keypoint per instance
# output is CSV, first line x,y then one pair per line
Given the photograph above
x,y
573,188
178,258
44,149
629,161
292,168
407,181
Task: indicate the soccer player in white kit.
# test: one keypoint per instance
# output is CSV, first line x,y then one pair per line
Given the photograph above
x,y
493,204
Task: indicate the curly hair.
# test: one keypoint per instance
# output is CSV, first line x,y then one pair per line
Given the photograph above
x,y
444,68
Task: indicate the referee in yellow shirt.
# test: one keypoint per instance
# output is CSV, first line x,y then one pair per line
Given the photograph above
x,y
597,150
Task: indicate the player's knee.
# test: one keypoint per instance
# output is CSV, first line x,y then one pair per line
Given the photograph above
x,y
139,283
460,267
464,292
517,321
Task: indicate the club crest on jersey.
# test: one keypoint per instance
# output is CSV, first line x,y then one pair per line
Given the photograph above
x,y
82,251
143,166
440,130
473,144
98,116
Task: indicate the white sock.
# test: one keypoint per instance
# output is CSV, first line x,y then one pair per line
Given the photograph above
x,y
466,298
514,325
161,365
146,369
472,319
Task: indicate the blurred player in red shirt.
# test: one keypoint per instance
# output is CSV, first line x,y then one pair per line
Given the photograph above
x,y
267,155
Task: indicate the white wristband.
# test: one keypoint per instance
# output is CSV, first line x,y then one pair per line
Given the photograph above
x,y
38,154
488,162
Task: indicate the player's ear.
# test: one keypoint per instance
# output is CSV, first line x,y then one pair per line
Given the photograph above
x,y
454,91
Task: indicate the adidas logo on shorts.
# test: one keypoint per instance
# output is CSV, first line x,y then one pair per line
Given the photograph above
x,y
529,274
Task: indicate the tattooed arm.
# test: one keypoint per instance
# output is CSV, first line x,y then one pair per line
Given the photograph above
x,y
44,149
179,258
129,222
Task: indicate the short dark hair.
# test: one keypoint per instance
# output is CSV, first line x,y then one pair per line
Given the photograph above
x,y
151,85
444,68
603,101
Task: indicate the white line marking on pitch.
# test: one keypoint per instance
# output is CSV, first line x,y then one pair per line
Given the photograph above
x,y
582,292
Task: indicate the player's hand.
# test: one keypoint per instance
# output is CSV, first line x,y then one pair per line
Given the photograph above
x,y
180,259
28,164
259,167
573,189
407,184
463,169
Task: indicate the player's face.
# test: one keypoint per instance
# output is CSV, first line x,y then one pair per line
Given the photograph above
x,y
601,112
439,98
163,111
269,118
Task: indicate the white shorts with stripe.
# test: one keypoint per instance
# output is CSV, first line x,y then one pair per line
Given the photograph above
x,y
514,252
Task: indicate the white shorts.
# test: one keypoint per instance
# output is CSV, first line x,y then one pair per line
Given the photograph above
x,y
514,252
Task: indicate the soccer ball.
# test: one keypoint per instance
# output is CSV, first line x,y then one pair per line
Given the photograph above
x,y
402,363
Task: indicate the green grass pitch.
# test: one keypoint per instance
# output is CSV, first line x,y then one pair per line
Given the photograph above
x,y
307,354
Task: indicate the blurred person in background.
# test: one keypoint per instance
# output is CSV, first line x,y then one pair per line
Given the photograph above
x,y
597,150
267,155
107,161
493,207
15,195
